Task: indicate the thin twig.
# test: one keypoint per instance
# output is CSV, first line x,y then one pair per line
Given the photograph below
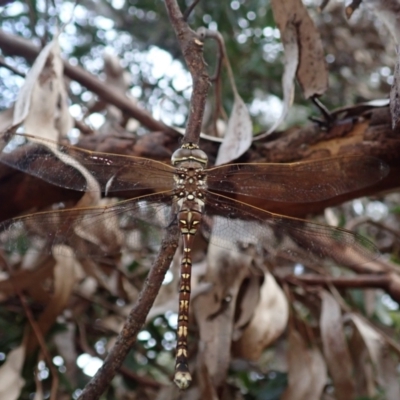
x,y
4,64
216,77
388,282
136,318
192,49
189,10
367,220
349,282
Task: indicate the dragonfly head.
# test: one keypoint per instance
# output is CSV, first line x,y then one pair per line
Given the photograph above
x,y
188,156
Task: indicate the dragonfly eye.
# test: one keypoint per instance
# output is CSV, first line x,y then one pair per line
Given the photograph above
x,y
189,154
200,156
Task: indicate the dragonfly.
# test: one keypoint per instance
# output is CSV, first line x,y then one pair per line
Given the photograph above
x,y
187,192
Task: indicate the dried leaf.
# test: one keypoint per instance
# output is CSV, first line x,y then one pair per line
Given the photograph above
x,y
307,370
207,387
269,320
390,377
66,272
42,101
215,309
372,339
249,298
239,133
11,381
289,38
385,368
312,72
25,280
336,352
362,373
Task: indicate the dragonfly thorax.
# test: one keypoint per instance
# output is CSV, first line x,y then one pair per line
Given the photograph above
x,y
190,178
190,187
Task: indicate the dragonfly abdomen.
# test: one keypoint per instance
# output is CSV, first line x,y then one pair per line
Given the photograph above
x,y
189,221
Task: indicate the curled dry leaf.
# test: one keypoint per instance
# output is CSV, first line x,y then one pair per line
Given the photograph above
x,y
373,339
207,388
25,281
289,38
42,102
11,381
378,350
389,376
239,133
247,303
307,370
312,72
215,309
363,381
269,320
336,352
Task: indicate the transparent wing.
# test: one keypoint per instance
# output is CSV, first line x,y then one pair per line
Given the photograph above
x,y
298,182
91,232
243,224
59,165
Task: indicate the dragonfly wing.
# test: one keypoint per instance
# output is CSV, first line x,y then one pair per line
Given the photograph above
x,y
61,165
239,225
105,229
300,182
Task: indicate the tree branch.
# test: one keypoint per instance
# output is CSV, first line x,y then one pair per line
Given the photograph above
x,y
136,318
18,46
389,282
361,281
192,49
